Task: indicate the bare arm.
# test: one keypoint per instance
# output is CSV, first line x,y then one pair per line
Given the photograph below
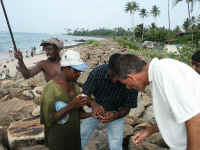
x,y
193,133
148,130
27,73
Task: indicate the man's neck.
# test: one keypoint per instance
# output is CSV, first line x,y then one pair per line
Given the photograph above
x,y
56,60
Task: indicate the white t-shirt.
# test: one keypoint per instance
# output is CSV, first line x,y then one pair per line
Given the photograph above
x,y
176,99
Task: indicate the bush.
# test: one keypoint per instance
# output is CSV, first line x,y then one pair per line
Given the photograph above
x,y
184,54
93,43
125,43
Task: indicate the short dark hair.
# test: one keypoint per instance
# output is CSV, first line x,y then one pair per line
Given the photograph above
x,y
129,63
113,62
196,56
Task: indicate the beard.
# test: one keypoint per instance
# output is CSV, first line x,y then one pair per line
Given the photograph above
x,y
52,58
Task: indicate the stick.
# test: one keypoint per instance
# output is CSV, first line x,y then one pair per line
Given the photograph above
x,y
11,34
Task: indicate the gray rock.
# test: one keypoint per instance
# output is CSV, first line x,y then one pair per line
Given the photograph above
x,y
36,147
137,112
148,114
25,132
36,111
128,130
157,139
3,92
15,109
145,146
28,94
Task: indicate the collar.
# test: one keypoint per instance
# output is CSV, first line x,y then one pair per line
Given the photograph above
x,y
107,76
151,67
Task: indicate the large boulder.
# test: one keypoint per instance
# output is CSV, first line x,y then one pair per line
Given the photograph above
x,y
26,132
14,109
3,92
36,147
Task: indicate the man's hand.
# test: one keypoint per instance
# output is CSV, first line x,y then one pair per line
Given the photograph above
x,y
79,101
139,138
109,116
98,110
18,55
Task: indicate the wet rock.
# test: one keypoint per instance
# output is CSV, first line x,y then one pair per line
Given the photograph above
x,y
37,92
98,140
128,130
28,94
36,147
8,83
145,146
133,121
14,91
25,133
15,109
36,111
148,114
3,92
137,112
157,139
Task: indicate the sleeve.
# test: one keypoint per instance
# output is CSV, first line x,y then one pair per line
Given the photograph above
x,y
181,88
90,85
130,99
48,106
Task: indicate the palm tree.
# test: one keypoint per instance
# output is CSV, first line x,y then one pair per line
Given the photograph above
x,y
187,24
143,14
132,7
190,4
155,12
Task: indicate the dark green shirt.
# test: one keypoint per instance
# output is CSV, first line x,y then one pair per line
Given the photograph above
x,y
65,136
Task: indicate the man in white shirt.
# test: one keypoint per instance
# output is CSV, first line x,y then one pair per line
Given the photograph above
x,y
176,98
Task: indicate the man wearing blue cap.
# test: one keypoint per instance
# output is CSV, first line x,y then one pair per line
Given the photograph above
x,y
61,103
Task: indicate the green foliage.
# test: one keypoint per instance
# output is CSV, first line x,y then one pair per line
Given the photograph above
x,y
184,54
131,7
125,43
93,43
101,32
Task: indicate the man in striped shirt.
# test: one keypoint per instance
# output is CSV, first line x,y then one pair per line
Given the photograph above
x,y
112,102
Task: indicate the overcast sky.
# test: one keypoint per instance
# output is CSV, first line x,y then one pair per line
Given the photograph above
x,y
51,16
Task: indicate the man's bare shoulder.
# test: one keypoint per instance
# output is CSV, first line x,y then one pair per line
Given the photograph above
x,y
43,62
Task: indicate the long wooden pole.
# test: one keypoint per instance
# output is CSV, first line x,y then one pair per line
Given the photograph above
x,y
10,30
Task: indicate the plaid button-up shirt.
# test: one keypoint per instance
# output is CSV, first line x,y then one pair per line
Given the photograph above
x,y
110,95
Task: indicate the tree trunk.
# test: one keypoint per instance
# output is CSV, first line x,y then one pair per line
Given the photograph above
x,y
133,27
169,21
188,4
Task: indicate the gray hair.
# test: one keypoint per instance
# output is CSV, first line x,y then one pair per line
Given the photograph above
x,y
129,63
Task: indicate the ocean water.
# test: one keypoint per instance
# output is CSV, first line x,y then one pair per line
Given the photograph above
x,y
25,41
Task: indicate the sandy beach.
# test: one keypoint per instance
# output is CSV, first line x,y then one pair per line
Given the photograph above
x,y
29,61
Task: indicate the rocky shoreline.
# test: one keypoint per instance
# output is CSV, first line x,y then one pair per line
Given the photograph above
x,y
20,99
